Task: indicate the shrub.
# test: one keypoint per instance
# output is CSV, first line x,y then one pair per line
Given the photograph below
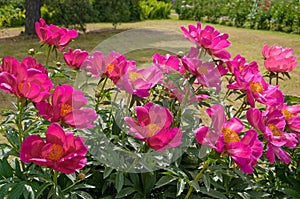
x,y
154,9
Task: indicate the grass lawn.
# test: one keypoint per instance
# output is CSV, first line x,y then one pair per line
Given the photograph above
x,y
244,41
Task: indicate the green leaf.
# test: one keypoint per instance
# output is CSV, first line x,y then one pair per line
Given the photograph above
x,y
134,177
5,169
256,194
29,192
107,172
180,186
41,189
125,192
291,100
164,181
18,172
206,181
83,186
4,189
148,180
291,192
195,185
16,191
119,181
84,195
213,193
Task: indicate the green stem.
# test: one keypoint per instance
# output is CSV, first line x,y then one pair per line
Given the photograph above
x,y
240,110
270,77
69,187
55,178
48,55
277,78
100,96
21,105
198,176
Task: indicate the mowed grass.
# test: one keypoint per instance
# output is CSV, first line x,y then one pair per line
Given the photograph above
x,y
246,42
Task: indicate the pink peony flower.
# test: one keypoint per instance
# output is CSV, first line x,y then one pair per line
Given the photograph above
x,y
291,116
279,59
25,80
117,65
95,64
153,126
212,40
248,79
272,125
66,106
53,35
61,151
138,82
224,137
168,63
207,74
75,58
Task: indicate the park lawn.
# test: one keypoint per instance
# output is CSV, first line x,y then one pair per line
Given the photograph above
x,y
244,41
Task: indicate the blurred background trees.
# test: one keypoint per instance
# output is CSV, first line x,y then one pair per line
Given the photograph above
x,y
75,14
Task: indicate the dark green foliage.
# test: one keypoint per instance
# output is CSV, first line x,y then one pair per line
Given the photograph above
x,y
68,13
278,15
12,13
75,14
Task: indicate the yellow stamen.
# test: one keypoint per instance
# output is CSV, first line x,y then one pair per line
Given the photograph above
x,y
275,130
152,129
21,85
256,87
65,109
203,70
287,114
230,135
56,152
133,76
110,68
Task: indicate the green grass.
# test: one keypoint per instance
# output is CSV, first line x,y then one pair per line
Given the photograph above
x,y
246,42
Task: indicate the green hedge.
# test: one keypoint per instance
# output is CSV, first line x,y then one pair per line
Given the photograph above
x,y
278,15
12,13
76,14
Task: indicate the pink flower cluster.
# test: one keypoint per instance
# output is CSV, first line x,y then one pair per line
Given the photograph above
x,y
208,38
61,151
26,79
279,123
123,73
225,137
249,80
29,81
153,126
278,59
53,35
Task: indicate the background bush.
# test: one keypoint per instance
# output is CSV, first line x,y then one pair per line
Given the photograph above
x,y
278,15
75,14
12,13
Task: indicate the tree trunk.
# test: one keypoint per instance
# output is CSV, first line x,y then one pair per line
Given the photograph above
x,y
33,14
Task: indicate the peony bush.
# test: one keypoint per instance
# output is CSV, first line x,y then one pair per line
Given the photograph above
x,y
200,124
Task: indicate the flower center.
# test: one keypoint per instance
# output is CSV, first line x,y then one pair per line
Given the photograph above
x,y
65,109
203,70
230,135
287,114
152,129
21,85
275,130
133,76
256,87
110,68
56,152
